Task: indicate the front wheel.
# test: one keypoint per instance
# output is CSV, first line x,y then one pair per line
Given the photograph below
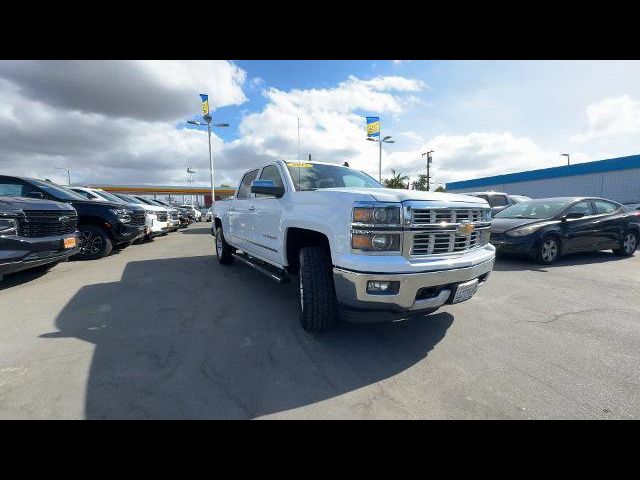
x,y
224,251
94,243
548,250
628,245
316,292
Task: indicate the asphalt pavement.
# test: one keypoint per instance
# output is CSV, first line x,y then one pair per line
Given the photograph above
x,y
162,331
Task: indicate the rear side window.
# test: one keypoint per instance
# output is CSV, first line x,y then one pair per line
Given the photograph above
x,y
602,206
245,186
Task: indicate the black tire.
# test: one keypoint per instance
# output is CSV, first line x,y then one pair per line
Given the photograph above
x,y
224,251
628,244
548,250
316,292
94,243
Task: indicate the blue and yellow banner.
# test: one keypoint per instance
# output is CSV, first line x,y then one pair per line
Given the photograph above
x,y
205,103
373,126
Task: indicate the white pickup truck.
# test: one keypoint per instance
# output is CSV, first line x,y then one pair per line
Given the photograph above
x,y
360,251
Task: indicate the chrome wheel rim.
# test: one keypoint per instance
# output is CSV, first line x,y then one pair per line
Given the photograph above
x,y
90,243
549,250
301,289
630,243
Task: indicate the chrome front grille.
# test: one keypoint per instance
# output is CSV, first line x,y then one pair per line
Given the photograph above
x,y
162,216
432,243
435,230
445,215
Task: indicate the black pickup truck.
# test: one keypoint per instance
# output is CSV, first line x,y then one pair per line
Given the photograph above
x,y
102,225
35,233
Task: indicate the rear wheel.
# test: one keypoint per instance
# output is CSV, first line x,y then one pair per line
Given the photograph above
x,y
548,250
628,244
224,251
94,243
316,292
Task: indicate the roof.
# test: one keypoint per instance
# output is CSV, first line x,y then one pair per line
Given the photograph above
x,y
609,165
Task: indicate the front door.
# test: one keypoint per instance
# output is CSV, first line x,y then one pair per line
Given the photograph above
x,y
268,227
580,233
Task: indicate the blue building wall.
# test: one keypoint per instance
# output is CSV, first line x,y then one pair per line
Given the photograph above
x,y
615,178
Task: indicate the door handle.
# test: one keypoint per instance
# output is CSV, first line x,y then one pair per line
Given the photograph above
x,y
252,208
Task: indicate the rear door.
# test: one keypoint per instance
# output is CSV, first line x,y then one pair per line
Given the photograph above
x,y
242,212
609,223
580,233
268,221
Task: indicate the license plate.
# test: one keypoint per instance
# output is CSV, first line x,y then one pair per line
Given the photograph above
x,y
465,291
69,242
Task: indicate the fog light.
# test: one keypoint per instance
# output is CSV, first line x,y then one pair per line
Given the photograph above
x,y
377,286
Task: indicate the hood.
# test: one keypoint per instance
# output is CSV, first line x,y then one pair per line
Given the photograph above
x,y
501,225
93,203
153,208
25,203
401,195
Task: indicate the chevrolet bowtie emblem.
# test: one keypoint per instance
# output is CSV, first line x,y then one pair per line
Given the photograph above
x,y
64,218
465,229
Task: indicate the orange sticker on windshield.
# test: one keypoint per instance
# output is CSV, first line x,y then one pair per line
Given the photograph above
x,y
298,164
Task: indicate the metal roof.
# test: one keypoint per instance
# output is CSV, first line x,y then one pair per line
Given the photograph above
x,y
609,165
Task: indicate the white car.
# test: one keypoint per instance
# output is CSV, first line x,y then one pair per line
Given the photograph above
x,y
157,217
197,214
360,251
209,216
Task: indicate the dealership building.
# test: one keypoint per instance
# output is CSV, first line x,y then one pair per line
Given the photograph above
x,y
615,178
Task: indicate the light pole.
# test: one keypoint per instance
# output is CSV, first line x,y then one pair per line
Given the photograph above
x,y
68,174
380,142
566,155
429,160
207,118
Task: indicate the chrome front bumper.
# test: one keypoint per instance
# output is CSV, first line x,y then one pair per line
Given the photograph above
x,y
351,288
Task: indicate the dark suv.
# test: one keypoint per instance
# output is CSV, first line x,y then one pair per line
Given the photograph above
x,y
102,225
35,233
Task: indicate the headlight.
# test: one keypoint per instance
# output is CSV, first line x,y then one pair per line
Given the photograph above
x,y
375,241
8,226
123,215
522,231
376,214
486,215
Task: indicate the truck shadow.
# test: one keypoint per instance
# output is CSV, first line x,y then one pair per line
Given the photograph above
x,y
196,230
188,338
509,263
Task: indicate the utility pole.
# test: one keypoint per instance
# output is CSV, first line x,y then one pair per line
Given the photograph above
x,y
68,174
429,159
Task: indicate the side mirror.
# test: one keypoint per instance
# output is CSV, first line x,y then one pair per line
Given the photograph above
x,y
574,215
34,194
266,187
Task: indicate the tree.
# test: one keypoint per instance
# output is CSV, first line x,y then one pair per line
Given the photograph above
x,y
396,180
421,183
440,189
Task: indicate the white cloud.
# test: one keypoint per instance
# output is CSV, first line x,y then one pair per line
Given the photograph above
x,y
610,117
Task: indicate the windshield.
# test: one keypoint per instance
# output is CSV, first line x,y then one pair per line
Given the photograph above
x,y
57,191
310,176
108,196
533,210
129,199
519,198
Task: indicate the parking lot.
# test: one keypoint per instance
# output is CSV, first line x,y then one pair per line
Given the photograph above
x,y
163,331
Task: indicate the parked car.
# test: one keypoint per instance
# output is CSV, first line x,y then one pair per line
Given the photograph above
x,y
174,214
209,216
183,213
35,233
359,250
197,214
102,225
545,229
157,218
499,200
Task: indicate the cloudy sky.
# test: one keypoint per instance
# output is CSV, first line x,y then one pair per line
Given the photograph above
x,y
124,121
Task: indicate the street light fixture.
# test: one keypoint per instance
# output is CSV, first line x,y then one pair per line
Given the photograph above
x,y
68,174
380,142
207,118
566,155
